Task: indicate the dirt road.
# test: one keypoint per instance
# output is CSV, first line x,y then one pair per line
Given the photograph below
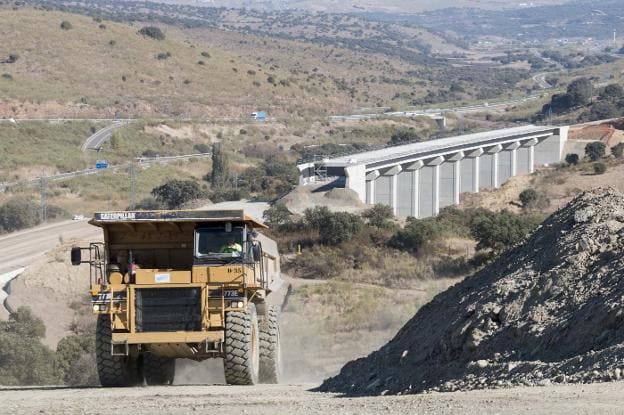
x,y
298,400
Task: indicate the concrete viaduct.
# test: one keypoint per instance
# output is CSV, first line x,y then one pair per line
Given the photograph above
x,y
420,179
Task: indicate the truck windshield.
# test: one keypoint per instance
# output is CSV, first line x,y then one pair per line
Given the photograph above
x,y
219,244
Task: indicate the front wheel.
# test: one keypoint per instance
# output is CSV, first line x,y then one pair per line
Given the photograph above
x,y
270,352
241,362
113,371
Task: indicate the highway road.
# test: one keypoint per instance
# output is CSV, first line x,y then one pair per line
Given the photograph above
x,y
20,249
95,141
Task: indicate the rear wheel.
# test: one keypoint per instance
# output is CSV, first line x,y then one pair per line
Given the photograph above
x,y
270,353
241,362
158,370
113,371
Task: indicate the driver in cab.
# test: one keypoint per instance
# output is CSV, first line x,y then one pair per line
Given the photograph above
x,y
231,247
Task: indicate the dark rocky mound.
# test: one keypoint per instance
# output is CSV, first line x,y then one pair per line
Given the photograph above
x,y
550,310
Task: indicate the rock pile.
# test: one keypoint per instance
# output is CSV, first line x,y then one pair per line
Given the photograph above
x,y
550,310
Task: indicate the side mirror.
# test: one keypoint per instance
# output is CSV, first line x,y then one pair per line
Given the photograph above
x,y
257,252
76,255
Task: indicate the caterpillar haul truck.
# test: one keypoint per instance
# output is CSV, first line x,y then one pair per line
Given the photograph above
x,y
183,284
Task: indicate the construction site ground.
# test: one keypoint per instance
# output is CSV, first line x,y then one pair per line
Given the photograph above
x,y
603,398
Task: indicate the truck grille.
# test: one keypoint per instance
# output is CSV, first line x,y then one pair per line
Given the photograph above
x,y
168,309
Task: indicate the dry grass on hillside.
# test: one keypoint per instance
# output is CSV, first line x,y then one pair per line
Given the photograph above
x,y
107,68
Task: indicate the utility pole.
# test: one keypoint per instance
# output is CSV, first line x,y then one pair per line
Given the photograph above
x,y
132,185
43,185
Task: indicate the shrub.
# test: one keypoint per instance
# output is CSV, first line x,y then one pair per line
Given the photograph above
x,y
595,151
618,150
69,351
528,196
24,360
163,55
404,136
205,54
7,76
277,215
201,148
600,168
152,32
532,199
271,79
19,213
148,203
572,158
65,25
334,227
379,216
201,63
500,230
175,193
12,58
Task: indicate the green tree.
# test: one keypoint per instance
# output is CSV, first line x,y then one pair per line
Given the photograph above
x,y
580,91
333,227
528,196
595,151
277,215
152,32
415,233
498,231
404,136
19,213
612,91
618,150
220,166
69,351
175,193
600,168
603,110
572,159
23,359
380,216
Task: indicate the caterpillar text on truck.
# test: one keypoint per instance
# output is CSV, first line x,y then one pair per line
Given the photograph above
x,y
183,284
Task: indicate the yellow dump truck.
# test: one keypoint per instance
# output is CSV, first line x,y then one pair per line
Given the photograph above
x,y
183,284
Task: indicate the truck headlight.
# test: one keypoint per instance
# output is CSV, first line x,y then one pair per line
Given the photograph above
x,y
96,307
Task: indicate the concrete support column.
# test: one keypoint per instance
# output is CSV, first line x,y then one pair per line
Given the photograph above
x,y
414,168
455,159
494,150
393,173
436,190
531,159
370,186
472,183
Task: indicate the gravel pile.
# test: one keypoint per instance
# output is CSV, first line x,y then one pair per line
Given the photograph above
x,y
550,310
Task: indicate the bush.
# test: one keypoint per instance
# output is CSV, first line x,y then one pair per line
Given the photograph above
x,y
205,54
201,148
152,32
595,151
175,193
618,150
532,199
415,234
23,359
277,215
12,58
500,230
600,168
379,216
7,76
572,159
163,55
65,25
528,197
19,213
148,203
404,136
333,227
69,351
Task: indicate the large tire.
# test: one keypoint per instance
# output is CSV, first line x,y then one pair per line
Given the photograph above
x,y
113,371
158,370
270,352
242,344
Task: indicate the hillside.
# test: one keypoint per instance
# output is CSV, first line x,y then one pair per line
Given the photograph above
x,y
108,69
